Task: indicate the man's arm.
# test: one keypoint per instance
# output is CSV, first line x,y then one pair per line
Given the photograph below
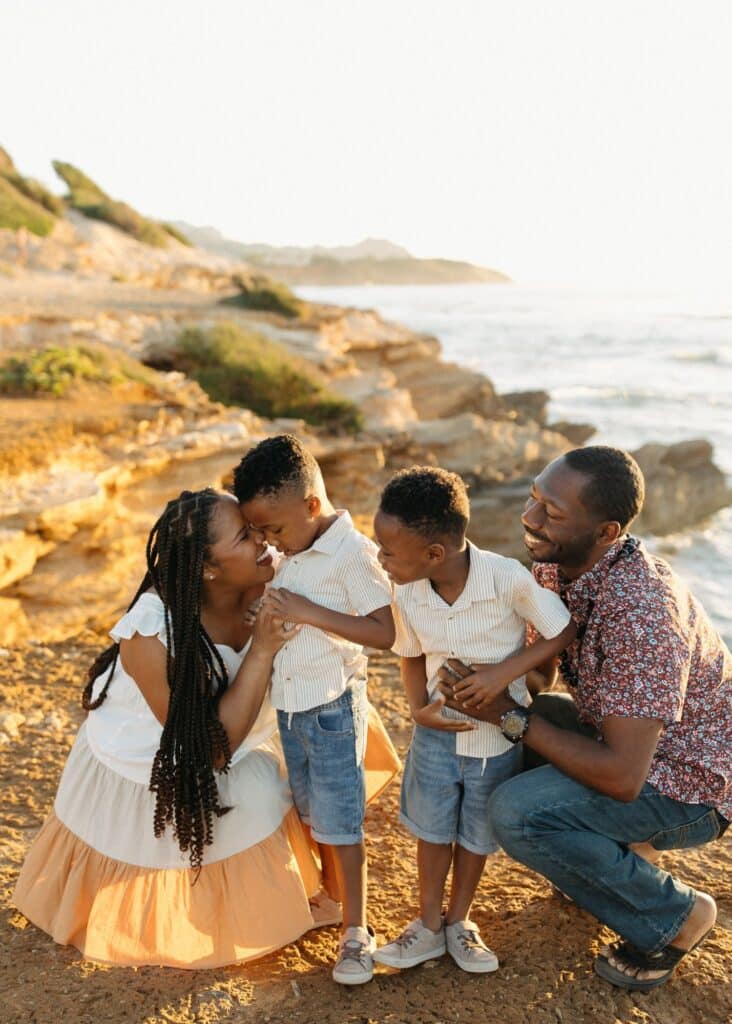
x,y
617,767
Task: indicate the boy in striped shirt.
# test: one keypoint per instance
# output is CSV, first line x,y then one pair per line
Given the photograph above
x,y
330,582
454,601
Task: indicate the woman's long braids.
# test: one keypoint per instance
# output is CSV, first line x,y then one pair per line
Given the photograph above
x,y
194,740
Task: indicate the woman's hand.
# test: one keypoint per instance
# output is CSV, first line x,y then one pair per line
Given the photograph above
x,y
269,630
250,615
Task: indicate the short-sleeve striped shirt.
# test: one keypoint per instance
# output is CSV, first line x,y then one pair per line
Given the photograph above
x,y
487,623
340,571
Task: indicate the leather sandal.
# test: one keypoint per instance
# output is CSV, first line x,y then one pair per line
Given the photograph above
x,y
666,960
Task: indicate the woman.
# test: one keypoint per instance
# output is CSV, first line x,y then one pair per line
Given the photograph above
x,y
173,839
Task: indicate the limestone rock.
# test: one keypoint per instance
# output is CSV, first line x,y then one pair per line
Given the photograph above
x,y
683,486
577,433
14,625
526,405
482,450
19,552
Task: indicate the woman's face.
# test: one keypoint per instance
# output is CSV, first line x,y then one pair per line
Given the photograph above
x,y
237,556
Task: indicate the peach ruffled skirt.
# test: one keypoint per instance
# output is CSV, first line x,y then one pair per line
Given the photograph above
x,y
96,878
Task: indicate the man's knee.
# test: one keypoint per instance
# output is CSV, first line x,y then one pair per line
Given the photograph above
x,y
508,808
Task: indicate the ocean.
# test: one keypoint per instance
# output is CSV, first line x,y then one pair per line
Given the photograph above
x,y
652,366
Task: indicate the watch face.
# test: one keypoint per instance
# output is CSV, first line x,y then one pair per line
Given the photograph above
x,y
514,724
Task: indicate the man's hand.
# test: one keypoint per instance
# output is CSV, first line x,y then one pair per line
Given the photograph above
x,y
431,717
291,607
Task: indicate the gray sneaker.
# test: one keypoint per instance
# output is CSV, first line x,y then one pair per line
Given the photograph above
x,y
468,950
415,945
354,965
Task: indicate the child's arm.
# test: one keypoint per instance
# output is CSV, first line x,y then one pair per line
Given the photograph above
x,y
373,630
488,681
425,712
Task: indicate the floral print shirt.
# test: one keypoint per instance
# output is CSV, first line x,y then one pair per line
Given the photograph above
x,y
646,649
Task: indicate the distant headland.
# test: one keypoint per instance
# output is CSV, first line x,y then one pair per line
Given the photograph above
x,y
372,261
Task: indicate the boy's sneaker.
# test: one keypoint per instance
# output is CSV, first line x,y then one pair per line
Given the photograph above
x,y
468,950
354,965
415,945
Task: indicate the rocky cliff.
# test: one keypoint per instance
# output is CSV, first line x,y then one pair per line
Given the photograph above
x,y
84,475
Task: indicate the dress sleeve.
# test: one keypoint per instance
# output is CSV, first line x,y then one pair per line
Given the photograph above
x,y
541,608
146,617
646,663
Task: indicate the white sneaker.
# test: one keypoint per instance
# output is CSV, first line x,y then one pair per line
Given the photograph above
x,y
415,945
354,965
468,950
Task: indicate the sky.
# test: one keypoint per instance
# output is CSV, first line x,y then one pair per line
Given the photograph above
x,y
571,141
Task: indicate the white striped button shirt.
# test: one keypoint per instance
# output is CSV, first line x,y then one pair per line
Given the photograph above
x,y
487,623
340,571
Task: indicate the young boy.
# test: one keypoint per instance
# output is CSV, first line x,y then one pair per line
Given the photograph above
x,y
454,601
330,580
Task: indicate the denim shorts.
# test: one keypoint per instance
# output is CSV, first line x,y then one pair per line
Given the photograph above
x,y
445,795
324,751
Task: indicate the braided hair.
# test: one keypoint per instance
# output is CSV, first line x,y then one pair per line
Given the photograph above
x,y
194,741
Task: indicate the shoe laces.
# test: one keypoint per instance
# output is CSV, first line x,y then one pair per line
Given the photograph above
x,y
470,939
353,950
405,940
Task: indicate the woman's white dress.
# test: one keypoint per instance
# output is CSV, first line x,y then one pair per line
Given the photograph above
x,y
97,878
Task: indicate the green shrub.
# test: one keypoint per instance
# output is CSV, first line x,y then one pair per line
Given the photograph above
x,y
176,234
18,211
88,198
264,294
37,192
239,367
53,370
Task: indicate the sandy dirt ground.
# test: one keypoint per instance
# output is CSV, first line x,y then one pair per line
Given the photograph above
x,y
544,944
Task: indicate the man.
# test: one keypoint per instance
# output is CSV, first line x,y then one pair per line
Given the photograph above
x,y
649,757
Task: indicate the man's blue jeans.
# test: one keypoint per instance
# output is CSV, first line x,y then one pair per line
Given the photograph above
x,y
578,839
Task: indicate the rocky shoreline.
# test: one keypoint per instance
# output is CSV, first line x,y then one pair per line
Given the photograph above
x,y
81,477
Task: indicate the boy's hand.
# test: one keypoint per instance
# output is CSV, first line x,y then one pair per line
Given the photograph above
x,y
291,607
270,632
481,687
430,716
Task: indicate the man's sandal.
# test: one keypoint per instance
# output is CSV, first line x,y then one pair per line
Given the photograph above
x,y
666,960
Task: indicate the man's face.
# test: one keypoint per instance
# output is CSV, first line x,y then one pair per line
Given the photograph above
x,y
557,526
286,521
403,554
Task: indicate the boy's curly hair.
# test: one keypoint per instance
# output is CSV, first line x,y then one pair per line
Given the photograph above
x,y
431,501
275,464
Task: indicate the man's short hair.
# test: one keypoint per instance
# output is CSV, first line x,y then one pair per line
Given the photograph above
x,y
433,502
615,486
276,464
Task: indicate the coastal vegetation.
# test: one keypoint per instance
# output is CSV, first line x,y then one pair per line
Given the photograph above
x,y
25,202
91,200
55,369
265,295
18,211
241,367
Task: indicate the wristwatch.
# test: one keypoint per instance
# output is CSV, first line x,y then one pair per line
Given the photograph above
x,y
514,723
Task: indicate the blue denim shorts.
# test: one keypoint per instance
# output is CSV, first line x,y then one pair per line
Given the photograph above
x,y
445,795
324,750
